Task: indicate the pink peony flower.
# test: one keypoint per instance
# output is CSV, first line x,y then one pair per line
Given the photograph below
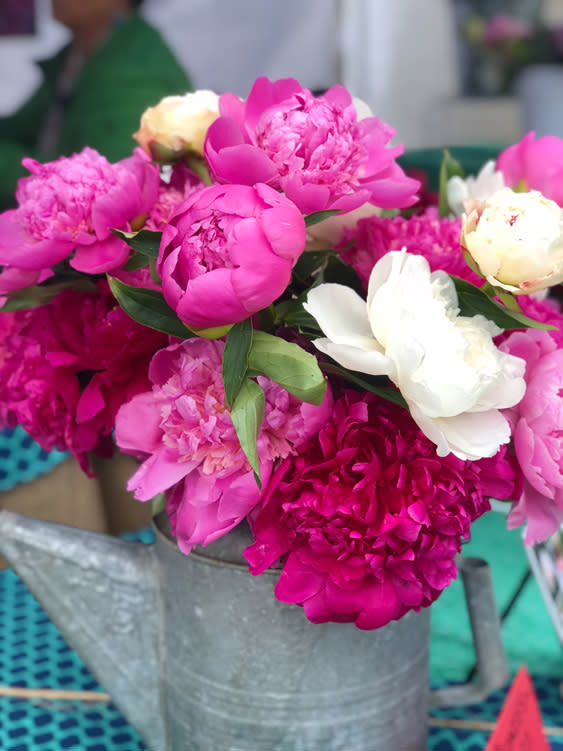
x,y
12,278
537,423
69,367
315,149
69,207
171,194
438,240
183,433
368,518
228,252
534,164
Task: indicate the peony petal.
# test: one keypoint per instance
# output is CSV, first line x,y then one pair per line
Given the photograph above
x,y
342,315
137,425
542,515
372,362
156,474
470,435
22,251
101,256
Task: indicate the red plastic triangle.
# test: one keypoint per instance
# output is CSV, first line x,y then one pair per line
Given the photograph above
x,y
519,725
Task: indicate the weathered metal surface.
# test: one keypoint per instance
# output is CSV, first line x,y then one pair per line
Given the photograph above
x,y
200,656
491,665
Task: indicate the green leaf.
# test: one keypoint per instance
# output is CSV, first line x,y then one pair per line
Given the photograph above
x,y
300,319
319,216
366,383
148,307
473,301
137,261
450,167
338,272
288,365
247,415
310,263
145,241
235,358
42,294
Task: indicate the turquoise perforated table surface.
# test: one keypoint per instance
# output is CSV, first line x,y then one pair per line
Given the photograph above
x,y
33,654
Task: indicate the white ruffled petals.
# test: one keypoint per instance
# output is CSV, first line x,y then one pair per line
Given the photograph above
x,y
447,367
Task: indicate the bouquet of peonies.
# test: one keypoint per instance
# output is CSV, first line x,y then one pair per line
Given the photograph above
x,y
258,307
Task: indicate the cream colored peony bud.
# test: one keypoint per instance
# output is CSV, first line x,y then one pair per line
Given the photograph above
x,y
178,124
515,240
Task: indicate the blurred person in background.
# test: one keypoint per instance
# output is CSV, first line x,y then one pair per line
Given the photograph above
x,y
94,90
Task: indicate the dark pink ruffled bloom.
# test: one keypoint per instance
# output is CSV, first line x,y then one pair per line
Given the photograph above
x,y
69,207
314,149
69,367
438,240
228,252
535,164
537,425
367,518
183,433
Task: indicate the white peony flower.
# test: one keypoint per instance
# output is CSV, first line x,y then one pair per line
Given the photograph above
x,y
178,124
487,182
516,240
447,367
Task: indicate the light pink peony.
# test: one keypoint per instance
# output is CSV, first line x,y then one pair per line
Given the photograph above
x,y
537,423
68,207
367,518
425,234
534,164
183,433
315,149
228,252
69,366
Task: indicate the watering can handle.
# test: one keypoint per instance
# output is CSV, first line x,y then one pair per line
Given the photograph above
x,y
492,668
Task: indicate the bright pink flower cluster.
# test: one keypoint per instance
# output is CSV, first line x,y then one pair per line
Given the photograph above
x,y
68,207
425,234
184,434
535,164
68,368
228,252
367,518
314,149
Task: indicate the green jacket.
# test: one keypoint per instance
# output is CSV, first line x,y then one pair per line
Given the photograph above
x,y
132,70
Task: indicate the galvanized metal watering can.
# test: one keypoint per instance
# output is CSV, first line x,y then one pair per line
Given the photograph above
x,y
199,656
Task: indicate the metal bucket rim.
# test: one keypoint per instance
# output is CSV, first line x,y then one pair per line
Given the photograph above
x,y
166,538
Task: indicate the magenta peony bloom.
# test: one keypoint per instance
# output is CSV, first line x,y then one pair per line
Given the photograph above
x,y
69,207
315,149
537,423
368,518
438,240
171,194
535,164
228,252
183,433
69,367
